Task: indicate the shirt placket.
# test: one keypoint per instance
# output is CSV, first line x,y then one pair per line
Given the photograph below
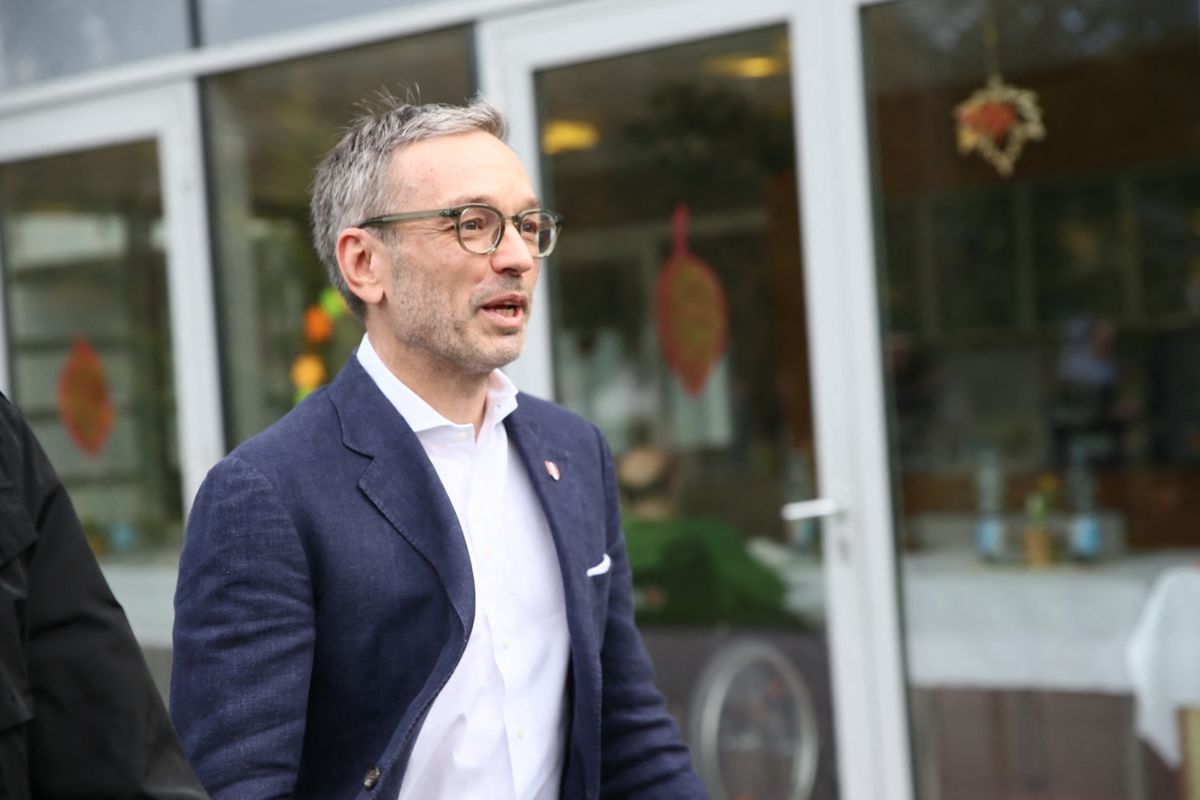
x,y
489,517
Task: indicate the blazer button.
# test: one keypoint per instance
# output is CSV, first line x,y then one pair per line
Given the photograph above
x,y
371,779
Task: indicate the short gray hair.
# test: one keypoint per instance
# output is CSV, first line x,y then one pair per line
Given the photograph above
x,y
350,183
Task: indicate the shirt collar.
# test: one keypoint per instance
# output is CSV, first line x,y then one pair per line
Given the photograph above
x,y
420,416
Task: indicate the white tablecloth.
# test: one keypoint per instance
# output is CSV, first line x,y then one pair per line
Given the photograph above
x,y
968,624
972,625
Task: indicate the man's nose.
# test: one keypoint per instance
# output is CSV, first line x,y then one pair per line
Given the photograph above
x,y
512,254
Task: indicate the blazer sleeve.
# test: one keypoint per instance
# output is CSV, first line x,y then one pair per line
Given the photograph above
x,y
642,752
244,634
95,723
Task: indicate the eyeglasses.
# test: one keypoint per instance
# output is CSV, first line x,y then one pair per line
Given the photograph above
x,y
481,227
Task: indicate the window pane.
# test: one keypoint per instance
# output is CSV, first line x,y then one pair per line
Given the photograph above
x,y
54,38
1042,333
90,337
268,128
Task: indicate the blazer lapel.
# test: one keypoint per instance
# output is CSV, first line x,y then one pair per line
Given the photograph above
x,y
561,498
402,483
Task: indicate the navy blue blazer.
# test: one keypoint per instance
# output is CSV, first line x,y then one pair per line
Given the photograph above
x,y
325,596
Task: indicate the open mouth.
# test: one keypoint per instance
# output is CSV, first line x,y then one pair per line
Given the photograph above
x,y
504,310
509,307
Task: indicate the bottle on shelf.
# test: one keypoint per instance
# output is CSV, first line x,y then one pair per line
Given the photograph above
x,y
1085,541
991,532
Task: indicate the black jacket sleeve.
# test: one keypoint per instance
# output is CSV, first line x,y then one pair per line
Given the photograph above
x,y
80,716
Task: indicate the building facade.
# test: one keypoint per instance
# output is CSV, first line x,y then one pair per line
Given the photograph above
x,y
889,310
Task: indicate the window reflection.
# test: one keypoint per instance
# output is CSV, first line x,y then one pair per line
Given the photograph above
x,y
283,329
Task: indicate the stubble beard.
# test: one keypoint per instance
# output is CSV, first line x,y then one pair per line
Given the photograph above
x,y
425,318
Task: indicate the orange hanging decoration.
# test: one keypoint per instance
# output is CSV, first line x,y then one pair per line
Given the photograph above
x,y
692,312
85,404
318,325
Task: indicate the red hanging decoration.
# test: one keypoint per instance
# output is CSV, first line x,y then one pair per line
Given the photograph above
x,y
85,404
692,312
996,122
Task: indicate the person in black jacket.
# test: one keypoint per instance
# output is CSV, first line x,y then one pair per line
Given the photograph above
x,y
80,716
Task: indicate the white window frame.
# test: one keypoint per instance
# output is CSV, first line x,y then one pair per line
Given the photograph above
x,y
844,322
169,116
845,363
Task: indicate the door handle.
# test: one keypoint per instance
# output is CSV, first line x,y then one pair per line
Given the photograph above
x,y
810,509
819,508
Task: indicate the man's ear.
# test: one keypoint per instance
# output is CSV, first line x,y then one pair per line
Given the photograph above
x,y
365,264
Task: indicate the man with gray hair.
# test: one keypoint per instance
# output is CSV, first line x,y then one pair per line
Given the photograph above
x,y
414,585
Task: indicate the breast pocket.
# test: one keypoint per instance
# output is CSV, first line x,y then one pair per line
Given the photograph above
x,y
599,578
17,537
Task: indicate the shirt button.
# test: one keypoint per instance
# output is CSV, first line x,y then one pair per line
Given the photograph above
x,y
506,643
371,779
520,733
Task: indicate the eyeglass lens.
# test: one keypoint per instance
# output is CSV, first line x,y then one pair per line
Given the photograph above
x,y
480,229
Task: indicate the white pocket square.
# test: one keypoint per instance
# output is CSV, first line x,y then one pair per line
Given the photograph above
x,y
600,568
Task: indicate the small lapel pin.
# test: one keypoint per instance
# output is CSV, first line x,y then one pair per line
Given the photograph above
x,y
552,470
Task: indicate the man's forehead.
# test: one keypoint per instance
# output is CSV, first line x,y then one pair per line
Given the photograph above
x,y
460,168
455,151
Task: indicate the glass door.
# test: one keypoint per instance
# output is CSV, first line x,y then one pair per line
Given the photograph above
x,y
109,347
685,314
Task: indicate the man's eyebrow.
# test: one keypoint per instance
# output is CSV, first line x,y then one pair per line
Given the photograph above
x,y
530,202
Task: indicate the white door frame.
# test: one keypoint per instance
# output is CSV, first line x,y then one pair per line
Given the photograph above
x,y
168,114
848,380
845,363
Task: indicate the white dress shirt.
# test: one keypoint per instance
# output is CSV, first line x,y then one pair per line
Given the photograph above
x,y
498,727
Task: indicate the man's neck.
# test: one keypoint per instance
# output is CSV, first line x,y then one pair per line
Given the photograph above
x,y
458,396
